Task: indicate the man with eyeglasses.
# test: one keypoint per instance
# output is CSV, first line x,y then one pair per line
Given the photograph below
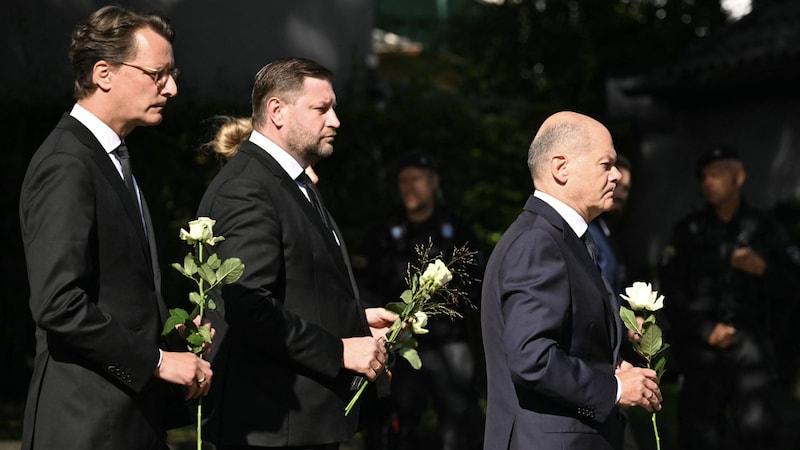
x,y
102,376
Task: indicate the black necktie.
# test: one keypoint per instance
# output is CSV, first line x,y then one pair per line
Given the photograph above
x,y
588,240
314,197
124,158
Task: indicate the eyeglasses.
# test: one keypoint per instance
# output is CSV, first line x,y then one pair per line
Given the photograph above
x,y
159,76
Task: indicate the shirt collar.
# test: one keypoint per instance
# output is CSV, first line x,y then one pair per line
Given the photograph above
x,y
286,161
104,134
573,219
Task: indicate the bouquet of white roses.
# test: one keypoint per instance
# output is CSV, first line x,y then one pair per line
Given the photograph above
x,y
429,294
207,273
644,300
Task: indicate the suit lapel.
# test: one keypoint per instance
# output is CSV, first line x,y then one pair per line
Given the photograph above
x,y
103,161
335,251
577,247
151,242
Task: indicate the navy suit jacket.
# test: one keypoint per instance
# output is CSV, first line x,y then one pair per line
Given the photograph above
x,y
278,376
95,299
551,333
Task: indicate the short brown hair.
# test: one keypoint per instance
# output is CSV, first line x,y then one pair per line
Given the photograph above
x,y
283,79
108,35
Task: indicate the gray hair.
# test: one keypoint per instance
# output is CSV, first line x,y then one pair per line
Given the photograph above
x,y
569,136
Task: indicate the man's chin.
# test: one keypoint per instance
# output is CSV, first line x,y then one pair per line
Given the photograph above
x,y
151,119
325,151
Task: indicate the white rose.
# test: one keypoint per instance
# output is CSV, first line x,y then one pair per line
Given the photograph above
x,y
201,230
642,296
419,322
436,275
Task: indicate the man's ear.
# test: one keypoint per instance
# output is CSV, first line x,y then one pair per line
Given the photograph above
x,y
741,175
275,107
102,75
558,168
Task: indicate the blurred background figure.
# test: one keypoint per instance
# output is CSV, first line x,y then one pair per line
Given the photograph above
x,y
605,232
604,227
447,380
725,268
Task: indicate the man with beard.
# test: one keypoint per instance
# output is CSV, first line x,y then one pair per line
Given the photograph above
x,y
299,343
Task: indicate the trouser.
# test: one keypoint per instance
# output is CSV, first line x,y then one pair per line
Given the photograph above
x,y
447,377
732,392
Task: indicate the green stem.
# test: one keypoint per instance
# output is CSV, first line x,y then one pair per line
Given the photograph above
x,y
200,283
355,398
200,314
200,423
655,431
393,333
653,416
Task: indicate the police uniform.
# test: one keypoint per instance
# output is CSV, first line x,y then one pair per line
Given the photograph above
x,y
447,377
703,289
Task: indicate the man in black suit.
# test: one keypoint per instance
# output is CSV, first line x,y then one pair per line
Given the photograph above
x,y
551,326
100,374
299,342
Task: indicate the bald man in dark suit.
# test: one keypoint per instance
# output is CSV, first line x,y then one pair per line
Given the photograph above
x,y
550,324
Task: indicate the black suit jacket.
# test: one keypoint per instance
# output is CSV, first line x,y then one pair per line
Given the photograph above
x,y
95,301
552,332
278,375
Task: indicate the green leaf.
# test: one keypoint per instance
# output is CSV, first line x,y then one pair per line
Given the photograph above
x,y
211,305
195,339
204,333
195,298
207,274
660,368
395,307
213,261
406,296
189,265
628,318
651,341
230,270
408,341
177,316
649,318
179,268
412,357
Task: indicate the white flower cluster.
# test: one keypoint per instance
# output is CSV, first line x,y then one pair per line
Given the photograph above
x,y
435,276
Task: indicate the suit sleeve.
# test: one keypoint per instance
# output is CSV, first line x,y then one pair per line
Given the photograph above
x,y
536,305
248,218
57,212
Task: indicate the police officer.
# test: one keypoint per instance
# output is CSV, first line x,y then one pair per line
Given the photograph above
x,y
447,377
724,266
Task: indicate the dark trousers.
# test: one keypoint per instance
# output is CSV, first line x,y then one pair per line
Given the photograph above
x,y
730,393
